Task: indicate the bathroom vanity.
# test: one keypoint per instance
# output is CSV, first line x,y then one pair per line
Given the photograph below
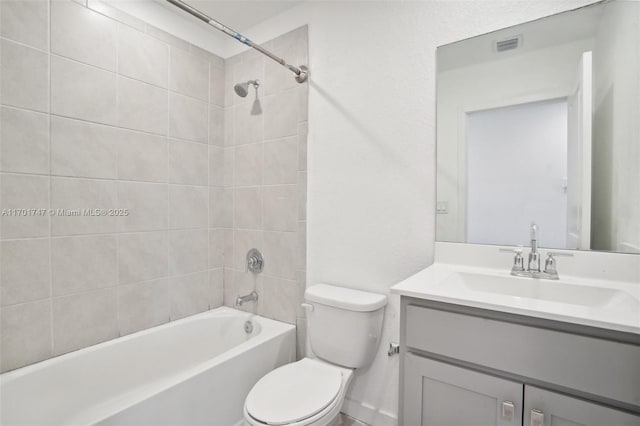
x,y
480,347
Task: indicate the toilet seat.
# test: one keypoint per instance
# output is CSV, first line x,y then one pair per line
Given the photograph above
x,y
300,393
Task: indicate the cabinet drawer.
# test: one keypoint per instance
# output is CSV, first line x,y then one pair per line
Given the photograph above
x,y
595,366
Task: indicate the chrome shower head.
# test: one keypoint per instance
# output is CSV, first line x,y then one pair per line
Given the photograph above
x,y
242,89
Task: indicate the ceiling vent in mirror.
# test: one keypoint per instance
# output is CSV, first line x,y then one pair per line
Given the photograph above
x,y
508,44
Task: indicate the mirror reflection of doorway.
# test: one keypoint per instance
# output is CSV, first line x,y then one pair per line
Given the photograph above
x,y
517,173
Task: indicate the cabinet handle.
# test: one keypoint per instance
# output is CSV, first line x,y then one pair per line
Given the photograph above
x,y
537,418
508,410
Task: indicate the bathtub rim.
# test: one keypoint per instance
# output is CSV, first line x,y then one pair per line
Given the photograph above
x,y
104,410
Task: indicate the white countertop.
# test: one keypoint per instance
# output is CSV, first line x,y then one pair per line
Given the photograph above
x,y
434,283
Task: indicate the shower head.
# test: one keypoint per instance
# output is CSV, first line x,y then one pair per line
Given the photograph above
x,y
242,89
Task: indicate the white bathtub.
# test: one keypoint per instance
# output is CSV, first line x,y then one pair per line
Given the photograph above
x,y
195,371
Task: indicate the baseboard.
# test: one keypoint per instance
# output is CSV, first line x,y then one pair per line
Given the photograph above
x,y
368,414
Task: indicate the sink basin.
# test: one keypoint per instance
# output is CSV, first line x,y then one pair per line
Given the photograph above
x,y
552,291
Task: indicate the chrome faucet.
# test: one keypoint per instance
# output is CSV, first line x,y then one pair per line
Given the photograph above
x,y
534,255
533,265
251,297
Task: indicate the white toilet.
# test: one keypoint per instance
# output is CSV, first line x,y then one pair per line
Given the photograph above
x,y
344,327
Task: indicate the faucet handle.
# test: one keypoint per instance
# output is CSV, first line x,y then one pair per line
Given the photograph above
x,y
518,260
550,262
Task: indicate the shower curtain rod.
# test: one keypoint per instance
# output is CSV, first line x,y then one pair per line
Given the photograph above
x,y
301,72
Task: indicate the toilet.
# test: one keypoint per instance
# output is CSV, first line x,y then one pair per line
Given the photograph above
x,y
344,327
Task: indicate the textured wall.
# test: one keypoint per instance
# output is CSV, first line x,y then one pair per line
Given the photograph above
x,y
101,111
265,180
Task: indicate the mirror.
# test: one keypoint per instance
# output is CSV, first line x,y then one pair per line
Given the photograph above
x,y
540,123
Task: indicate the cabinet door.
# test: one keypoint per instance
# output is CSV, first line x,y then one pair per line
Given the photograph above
x,y
544,408
439,394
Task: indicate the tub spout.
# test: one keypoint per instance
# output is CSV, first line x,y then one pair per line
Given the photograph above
x,y
253,296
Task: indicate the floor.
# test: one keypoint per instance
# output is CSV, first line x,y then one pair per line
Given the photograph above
x,y
344,420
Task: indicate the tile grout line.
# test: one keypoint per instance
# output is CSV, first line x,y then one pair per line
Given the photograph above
x,y
51,316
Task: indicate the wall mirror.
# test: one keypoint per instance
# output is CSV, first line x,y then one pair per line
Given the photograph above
x,y
540,123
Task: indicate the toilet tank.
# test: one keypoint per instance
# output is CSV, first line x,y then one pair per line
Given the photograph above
x,y
344,325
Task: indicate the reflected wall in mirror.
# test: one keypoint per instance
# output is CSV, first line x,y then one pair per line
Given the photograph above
x,y
540,123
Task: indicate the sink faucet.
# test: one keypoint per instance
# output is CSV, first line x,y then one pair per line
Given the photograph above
x,y
534,255
251,297
533,266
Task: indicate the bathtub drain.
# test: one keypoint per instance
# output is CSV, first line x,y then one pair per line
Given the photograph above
x,y
248,327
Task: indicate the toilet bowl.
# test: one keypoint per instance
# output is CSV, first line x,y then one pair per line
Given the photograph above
x,y
308,392
344,327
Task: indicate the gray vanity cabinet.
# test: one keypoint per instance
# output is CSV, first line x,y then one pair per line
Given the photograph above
x,y
445,395
463,366
545,408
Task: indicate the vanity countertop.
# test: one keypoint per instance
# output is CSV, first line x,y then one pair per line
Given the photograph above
x,y
613,305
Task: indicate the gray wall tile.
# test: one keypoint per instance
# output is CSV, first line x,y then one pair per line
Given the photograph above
x,y
142,156
76,193
142,256
24,141
280,208
147,204
83,263
280,248
84,319
216,284
143,305
216,166
188,162
216,248
142,106
248,128
247,210
189,294
189,74
188,206
24,77
25,332
82,91
81,34
24,192
281,115
248,165
188,118
188,251
281,161
83,149
281,299
25,22
24,271
221,207
216,125
216,85
142,57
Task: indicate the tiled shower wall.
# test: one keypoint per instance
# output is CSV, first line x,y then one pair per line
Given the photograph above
x,y
265,179
100,111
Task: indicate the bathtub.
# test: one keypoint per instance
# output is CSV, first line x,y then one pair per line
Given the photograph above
x,y
194,371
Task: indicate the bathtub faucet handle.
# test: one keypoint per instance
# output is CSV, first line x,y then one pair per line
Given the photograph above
x,y
255,261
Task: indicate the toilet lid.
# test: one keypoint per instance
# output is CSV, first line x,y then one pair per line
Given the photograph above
x,y
294,392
